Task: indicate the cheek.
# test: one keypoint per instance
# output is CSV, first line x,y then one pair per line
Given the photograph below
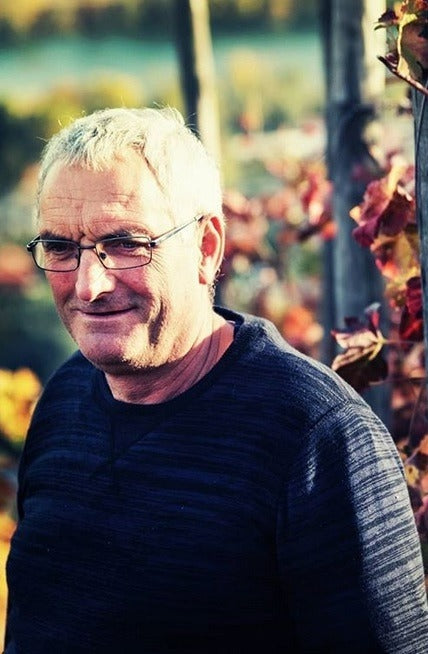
x,y
165,279
162,275
61,285
138,281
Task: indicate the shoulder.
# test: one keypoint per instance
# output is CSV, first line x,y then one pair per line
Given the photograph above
x,y
71,381
300,386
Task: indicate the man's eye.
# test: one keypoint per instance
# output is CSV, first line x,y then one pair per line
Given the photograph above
x,y
58,247
128,245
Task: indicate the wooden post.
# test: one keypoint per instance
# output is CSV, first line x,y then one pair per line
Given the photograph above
x,y
193,36
420,112
354,82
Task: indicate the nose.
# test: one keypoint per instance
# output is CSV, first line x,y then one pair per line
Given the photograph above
x,y
93,280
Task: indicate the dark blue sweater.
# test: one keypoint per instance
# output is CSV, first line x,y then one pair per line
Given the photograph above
x,y
264,510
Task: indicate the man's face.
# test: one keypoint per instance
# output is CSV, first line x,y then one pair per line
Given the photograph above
x,y
123,320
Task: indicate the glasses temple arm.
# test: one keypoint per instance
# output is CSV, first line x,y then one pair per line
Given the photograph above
x,y
163,237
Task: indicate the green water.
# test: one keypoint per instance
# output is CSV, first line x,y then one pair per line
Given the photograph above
x,y
32,69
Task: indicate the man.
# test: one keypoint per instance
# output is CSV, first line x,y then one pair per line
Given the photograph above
x,y
190,483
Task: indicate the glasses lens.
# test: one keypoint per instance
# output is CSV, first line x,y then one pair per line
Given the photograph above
x,y
124,252
61,256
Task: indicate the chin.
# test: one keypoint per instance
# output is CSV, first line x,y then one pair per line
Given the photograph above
x,y
105,359
117,363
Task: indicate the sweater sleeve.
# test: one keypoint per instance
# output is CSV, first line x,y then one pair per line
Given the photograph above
x,y
349,555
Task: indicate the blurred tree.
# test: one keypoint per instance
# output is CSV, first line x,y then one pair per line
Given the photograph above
x,y
95,21
19,146
191,18
8,34
354,82
36,18
44,25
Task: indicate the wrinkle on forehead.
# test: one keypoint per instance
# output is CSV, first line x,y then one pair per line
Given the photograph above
x,y
82,202
55,204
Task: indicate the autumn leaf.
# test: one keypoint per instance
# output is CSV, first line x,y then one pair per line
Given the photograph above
x,y
388,19
386,208
361,372
413,47
397,258
362,362
407,41
414,296
359,334
411,324
19,391
411,328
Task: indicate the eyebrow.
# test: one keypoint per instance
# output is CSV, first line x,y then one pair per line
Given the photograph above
x,y
46,234
51,236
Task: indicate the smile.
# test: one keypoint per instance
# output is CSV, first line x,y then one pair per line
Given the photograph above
x,y
105,314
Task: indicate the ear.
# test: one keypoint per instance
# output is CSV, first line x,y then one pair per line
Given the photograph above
x,y
211,247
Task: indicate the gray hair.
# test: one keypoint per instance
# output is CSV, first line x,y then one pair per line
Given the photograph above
x,y
185,172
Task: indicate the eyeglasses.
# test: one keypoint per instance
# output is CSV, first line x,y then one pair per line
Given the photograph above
x,y
115,253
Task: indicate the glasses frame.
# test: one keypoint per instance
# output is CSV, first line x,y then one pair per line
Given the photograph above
x,y
151,244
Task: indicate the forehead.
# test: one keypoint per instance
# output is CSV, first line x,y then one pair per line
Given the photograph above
x,y
78,198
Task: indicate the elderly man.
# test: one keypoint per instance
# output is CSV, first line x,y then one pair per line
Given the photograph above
x,y
190,483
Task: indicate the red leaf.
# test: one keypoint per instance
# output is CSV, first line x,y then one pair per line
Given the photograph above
x,y
414,296
386,208
411,328
414,48
362,363
387,19
362,372
369,212
398,256
411,324
387,215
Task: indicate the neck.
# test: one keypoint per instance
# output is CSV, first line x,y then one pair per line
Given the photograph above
x,y
156,385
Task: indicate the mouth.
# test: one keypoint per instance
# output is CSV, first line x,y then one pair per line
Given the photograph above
x,y
105,314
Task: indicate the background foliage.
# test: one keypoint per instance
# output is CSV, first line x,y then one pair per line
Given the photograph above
x,y
39,18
